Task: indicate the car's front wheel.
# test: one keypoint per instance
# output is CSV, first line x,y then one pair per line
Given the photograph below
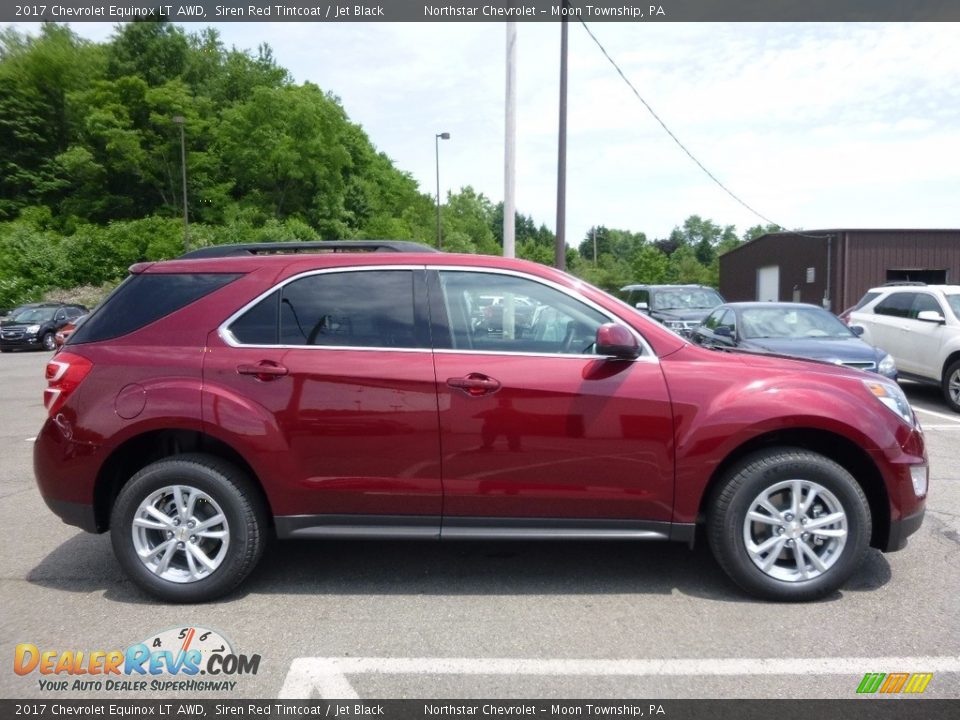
x,y
789,524
188,528
48,341
951,386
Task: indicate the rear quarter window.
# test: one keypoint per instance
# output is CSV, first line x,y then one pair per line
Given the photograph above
x,y
143,299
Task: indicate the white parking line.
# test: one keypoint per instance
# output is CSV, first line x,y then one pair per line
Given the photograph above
x,y
941,426
952,418
31,439
326,677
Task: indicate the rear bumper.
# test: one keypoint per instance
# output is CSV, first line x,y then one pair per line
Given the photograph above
x,y
78,514
66,471
901,529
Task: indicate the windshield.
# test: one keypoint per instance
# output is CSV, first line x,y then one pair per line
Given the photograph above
x,y
34,315
686,299
774,322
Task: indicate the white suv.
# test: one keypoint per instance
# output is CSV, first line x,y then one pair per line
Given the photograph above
x,y
920,326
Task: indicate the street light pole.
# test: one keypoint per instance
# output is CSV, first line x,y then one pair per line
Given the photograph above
x,y
560,250
436,144
182,121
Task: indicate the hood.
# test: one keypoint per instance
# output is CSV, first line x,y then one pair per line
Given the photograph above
x,y
838,351
695,315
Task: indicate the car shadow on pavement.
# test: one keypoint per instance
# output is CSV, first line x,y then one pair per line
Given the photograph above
x,y
85,563
511,567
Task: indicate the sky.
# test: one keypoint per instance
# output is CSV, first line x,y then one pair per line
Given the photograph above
x,y
812,125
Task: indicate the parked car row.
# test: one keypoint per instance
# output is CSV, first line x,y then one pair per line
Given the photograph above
x,y
35,326
899,330
791,329
795,329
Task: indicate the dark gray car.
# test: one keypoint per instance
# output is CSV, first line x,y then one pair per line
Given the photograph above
x,y
680,307
794,329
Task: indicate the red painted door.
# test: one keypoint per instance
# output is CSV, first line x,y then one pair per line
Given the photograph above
x,y
532,424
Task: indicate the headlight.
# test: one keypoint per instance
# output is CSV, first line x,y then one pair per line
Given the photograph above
x,y
33,329
892,396
887,366
675,324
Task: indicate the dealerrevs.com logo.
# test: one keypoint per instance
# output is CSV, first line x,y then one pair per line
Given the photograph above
x,y
180,659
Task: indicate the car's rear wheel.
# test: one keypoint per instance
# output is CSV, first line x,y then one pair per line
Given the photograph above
x,y
951,386
189,528
789,524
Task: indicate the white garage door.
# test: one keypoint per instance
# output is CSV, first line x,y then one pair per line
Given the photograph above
x,y
768,283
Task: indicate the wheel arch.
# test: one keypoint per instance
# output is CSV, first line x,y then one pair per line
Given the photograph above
x,y
950,360
842,451
141,450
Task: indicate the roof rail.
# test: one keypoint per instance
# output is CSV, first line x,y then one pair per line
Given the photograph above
x,y
335,246
903,282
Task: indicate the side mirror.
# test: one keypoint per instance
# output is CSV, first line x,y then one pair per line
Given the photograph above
x,y
642,306
931,316
616,341
857,330
723,335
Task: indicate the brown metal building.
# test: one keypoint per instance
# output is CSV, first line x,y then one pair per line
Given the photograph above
x,y
834,268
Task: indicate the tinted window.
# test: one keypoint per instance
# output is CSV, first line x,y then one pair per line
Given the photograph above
x,y
260,325
141,299
370,308
713,320
868,297
896,305
526,316
925,302
729,321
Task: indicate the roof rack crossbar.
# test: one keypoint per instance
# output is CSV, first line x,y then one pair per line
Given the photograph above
x,y
271,248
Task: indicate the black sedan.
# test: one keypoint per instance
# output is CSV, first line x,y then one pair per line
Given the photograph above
x,y
794,329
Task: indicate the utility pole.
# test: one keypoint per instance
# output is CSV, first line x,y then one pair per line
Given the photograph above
x,y
510,147
560,251
436,144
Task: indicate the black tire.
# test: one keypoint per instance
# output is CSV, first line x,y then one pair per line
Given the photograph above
x,y
230,493
951,386
48,342
789,578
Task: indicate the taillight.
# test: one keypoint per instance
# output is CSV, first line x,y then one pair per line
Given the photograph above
x,y
64,375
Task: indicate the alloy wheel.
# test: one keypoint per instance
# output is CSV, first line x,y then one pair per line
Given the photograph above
x,y
795,530
180,534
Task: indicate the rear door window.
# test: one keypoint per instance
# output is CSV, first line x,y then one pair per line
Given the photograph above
x,y
367,308
897,304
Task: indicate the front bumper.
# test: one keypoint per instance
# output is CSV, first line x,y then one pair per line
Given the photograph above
x,y
901,529
20,343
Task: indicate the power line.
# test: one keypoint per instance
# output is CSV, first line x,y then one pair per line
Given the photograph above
x,y
680,144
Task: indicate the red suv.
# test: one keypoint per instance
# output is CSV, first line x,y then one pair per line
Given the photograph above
x,y
243,391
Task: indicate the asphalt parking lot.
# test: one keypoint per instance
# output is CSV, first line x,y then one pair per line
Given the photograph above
x,y
511,620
